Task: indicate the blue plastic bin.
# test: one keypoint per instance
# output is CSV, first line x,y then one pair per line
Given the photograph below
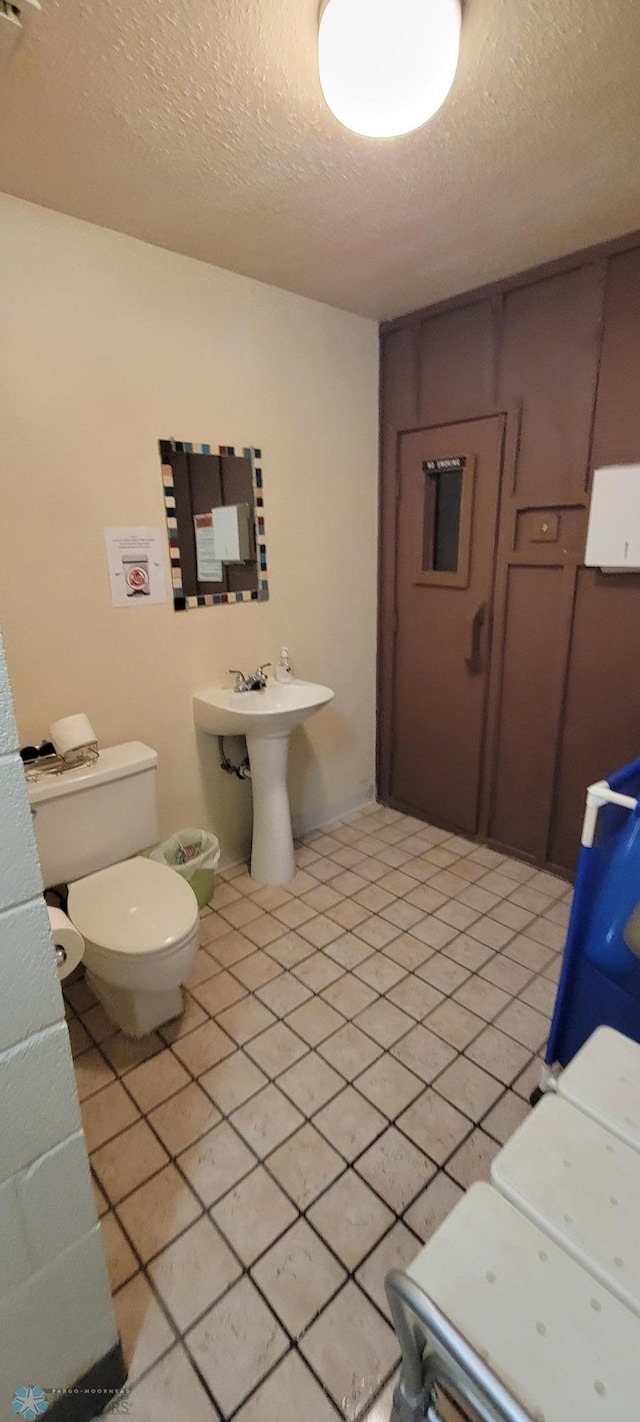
x,y
600,979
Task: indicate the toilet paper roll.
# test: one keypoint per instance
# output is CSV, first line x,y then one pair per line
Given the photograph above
x,y
68,943
72,733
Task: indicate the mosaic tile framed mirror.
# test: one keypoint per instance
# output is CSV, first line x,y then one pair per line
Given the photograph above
x,y
214,504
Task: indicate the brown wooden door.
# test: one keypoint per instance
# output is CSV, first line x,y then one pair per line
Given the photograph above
x,y
449,486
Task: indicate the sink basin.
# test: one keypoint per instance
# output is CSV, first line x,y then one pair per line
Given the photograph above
x,y
266,718
274,711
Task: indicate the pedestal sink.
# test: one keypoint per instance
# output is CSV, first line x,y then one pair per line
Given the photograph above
x,y
266,718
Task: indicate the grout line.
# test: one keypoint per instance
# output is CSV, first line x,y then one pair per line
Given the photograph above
x,y
274,1078
309,1119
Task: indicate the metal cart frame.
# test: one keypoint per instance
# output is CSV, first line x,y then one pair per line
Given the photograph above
x,y
434,1351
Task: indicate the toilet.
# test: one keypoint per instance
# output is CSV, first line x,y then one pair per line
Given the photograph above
x,y
139,919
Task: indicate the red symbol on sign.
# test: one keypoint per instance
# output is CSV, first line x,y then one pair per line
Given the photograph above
x,y
137,578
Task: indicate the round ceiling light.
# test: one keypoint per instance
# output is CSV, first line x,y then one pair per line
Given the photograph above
x,y
386,66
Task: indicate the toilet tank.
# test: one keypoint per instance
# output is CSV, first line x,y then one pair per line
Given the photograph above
x,y
96,815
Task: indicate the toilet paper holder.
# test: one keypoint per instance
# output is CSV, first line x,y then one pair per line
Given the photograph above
x,y
68,944
43,760
72,742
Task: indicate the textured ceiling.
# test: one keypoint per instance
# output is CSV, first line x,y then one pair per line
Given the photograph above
x,y
199,125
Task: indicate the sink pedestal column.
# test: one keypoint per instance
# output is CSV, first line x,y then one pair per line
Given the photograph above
x,y
272,860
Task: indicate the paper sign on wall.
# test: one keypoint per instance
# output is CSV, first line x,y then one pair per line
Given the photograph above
x,y
208,566
135,557
231,533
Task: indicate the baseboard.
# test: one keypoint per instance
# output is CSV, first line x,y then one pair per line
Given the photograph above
x,y
91,1393
318,819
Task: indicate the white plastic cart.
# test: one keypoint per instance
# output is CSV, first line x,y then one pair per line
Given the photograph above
x,y
525,1304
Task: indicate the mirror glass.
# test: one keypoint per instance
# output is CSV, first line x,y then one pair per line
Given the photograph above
x,y
214,502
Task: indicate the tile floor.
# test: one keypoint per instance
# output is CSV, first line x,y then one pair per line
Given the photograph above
x,y
354,1049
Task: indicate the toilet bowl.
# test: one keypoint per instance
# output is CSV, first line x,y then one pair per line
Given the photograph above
x,y
139,921
138,918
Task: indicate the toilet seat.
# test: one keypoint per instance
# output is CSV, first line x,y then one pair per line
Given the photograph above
x,y
134,908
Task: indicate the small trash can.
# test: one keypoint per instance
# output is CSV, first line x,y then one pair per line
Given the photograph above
x,y
195,855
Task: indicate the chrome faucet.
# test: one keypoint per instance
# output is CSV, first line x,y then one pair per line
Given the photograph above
x,y
255,682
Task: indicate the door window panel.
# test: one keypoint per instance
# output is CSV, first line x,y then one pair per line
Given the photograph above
x,y
443,502
443,537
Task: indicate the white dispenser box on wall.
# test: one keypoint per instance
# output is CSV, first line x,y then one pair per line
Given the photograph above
x,y
613,534
14,14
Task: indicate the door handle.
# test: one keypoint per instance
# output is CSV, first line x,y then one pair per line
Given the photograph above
x,y
473,655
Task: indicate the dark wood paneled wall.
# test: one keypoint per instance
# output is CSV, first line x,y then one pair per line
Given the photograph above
x,y
557,350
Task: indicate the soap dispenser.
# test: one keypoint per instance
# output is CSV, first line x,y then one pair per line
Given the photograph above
x,y
283,671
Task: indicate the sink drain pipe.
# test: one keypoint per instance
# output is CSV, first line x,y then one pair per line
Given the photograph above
x,y
243,770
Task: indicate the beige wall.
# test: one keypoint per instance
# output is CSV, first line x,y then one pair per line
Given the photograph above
x,y
52,1271
107,345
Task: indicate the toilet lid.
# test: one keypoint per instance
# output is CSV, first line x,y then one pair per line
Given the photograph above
x,y
133,907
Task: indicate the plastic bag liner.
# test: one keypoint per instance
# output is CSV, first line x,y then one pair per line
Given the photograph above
x,y
194,854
